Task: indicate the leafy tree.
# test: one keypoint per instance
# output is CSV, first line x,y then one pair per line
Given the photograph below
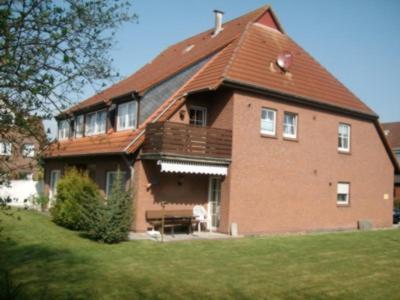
x,y
50,50
75,193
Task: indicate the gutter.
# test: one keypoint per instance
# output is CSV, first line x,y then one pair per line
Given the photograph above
x,y
296,99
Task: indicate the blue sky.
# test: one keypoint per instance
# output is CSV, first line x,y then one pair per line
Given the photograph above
x,y
358,41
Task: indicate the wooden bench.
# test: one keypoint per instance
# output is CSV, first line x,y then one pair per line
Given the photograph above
x,y
172,218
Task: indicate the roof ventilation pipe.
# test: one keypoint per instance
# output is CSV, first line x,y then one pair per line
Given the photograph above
x,y
218,22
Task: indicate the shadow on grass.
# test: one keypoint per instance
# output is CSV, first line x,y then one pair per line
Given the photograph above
x,y
42,272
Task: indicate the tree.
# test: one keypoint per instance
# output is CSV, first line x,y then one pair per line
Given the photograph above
x,y
110,221
50,50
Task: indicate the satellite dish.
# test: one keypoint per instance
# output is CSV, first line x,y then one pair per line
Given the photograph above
x,y
284,60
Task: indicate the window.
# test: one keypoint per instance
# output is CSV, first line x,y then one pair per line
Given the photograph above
x,y
198,116
344,138
96,122
268,121
290,125
343,189
5,148
28,150
79,126
63,129
127,115
397,153
111,175
54,177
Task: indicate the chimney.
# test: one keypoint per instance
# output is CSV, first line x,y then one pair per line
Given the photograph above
x,y
218,22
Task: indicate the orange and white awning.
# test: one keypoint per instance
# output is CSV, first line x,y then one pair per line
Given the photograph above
x,y
171,166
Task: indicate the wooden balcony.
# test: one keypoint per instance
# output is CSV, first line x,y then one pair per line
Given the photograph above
x,y
176,140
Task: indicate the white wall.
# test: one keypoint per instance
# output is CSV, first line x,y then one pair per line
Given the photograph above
x,y
21,190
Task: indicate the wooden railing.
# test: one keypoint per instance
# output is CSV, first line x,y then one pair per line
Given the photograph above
x,y
187,140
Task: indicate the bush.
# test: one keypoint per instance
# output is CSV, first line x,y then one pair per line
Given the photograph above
x,y
75,192
42,201
110,222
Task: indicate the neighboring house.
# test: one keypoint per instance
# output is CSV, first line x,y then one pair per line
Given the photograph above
x,y
18,162
392,133
239,119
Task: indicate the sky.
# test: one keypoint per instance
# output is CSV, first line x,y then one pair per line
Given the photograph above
x,y
358,41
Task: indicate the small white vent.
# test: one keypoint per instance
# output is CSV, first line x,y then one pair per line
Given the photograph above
x,y
187,49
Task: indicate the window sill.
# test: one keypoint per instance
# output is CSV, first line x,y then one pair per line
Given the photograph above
x,y
342,205
290,139
344,152
271,136
126,129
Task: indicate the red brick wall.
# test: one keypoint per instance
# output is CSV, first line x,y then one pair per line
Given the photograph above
x,y
281,186
192,190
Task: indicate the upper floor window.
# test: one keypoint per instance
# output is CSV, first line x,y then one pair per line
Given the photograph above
x,y
79,122
344,137
28,150
63,129
127,113
96,122
198,116
290,125
268,121
5,148
343,193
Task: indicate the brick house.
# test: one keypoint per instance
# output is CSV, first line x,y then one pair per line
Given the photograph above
x,y
239,119
392,133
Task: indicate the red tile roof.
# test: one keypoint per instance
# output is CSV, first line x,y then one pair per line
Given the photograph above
x,y
392,133
245,51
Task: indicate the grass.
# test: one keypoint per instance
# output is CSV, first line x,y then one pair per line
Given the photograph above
x,y
54,263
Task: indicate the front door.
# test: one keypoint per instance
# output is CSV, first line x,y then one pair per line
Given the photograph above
x,y
214,203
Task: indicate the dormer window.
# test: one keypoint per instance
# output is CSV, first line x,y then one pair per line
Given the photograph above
x,y
63,129
96,122
5,148
79,125
126,118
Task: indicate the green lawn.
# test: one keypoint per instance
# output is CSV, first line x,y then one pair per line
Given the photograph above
x,y
54,263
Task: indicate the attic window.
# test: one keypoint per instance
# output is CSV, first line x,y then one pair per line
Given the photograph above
x,y
187,49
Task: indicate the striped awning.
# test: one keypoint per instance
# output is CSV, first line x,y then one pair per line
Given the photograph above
x,y
172,166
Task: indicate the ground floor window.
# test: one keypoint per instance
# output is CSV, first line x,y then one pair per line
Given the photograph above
x,y
111,176
54,177
343,193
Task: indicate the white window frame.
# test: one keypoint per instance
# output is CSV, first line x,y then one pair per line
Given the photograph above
x,y
5,148
108,176
397,154
28,150
63,129
204,114
53,185
96,129
264,131
79,124
343,188
295,122
126,116
341,137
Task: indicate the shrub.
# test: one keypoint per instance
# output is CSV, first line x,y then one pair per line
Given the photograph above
x,y
110,222
75,191
42,201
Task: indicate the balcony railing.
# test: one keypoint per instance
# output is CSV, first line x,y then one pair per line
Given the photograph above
x,y
176,139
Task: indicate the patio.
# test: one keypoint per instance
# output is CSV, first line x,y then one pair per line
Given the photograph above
x,y
204,235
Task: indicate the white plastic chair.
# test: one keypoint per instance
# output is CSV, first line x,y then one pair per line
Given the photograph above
x,y
200,213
